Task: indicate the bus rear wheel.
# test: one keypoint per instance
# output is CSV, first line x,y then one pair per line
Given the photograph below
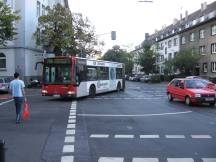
x,y
92,91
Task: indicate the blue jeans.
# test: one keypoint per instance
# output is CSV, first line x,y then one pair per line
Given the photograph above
x,y
19,107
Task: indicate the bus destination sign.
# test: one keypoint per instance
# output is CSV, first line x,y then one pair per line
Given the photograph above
x,y
57,61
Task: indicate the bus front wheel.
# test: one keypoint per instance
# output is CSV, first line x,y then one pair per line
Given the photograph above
x,y
118,87
92,91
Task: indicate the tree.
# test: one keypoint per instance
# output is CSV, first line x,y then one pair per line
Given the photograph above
x,y
117,54
186,61
147,58
61,32
7,28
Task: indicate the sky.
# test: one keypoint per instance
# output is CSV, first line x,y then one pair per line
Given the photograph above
x,y
131,19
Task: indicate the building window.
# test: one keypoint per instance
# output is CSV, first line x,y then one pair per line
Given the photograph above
x,y
213,48
2,61
205,67
213,67
202,50
202,34
213,29
43,10
165,50
161,46
38,9
183,41
175,41
169,43
192,37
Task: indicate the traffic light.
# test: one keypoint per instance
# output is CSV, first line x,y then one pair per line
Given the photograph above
x,y
113,35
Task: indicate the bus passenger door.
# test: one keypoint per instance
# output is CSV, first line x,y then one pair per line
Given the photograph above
x,y
112,78
81,74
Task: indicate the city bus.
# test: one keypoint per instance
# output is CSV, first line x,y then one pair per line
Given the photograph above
x,y
68,76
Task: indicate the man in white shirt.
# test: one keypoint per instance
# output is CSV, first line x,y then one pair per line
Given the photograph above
x,y
17,90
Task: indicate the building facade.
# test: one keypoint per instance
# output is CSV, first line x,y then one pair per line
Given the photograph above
x,y
22,54
197,32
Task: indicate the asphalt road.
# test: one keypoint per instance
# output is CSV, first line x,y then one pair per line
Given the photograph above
x,y
137,125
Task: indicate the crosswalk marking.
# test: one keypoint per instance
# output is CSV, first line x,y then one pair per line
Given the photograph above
x,y
201,136
69,126
67,159
209,159
174,136
99,136
145,160
123,136
180,160
111,159
150,136
70,132
68,149
69,139
71,121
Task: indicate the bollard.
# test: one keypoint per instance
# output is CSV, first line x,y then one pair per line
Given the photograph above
x,y
2,151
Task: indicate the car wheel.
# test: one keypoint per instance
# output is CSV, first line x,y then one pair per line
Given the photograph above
x,y
212,104
188,101
170,97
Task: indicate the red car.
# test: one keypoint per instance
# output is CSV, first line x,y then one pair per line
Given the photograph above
x,y
191,91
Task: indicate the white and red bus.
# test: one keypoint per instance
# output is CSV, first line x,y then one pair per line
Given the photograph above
x,y
68,76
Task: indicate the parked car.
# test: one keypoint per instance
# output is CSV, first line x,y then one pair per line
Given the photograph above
x,y
34,83
145,78
4,84
191,91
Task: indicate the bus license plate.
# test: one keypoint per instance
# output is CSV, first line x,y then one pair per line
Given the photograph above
x,y
56,95
209,99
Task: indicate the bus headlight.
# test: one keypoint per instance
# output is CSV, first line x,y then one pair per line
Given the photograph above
x,y
44,91
70,92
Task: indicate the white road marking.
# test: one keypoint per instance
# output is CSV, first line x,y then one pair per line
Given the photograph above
x,y
111,159
209,159
123,136
69,139
99,136
72,117
145,160
200,136
70,132
72,113
68,149
69,126
2,103
174,136
71,121
135,115
67,159
180,160
150,136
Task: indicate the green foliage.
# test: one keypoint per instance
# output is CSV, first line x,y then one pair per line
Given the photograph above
x,y
147,59
118,55
7,28
186,61
62,33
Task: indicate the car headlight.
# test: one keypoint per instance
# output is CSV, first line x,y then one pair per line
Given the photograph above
x,y
197,95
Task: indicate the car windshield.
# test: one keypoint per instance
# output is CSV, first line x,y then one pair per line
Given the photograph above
x,y
195,84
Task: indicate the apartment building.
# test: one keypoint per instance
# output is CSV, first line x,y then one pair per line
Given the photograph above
x,y
22,54
196,31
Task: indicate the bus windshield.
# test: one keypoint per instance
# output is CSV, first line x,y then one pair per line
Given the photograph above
x,y
57,74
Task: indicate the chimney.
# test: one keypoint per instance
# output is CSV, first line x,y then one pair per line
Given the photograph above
x,y
181,17
146,36
186,14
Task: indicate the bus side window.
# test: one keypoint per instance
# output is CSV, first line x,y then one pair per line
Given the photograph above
x,y
91,73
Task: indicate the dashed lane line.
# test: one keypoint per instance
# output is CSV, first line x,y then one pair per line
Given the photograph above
x,y
111,159
201,136
70,136
145,160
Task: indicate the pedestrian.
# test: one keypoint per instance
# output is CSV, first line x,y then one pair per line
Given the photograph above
x,y
18,93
